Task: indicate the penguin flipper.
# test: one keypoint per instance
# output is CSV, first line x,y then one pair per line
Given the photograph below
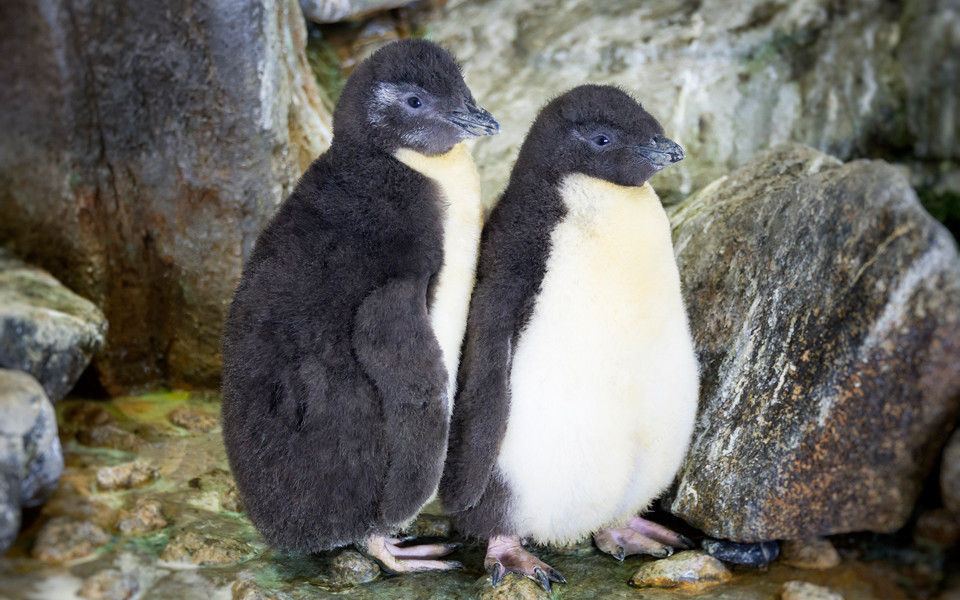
x,y
480,413
397,349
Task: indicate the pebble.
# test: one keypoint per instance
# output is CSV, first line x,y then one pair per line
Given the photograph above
x,y
809,553
193,420
192,548
801,590
352,568
430,526
245,589
511,587
64,539
110,584
758,554
687,570
230,500
939,527
147,515
126,476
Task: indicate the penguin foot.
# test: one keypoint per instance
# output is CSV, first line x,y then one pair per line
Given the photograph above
x,y
395,559
505,555
640,537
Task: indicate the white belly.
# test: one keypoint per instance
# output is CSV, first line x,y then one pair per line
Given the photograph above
x,y
604,380
456,175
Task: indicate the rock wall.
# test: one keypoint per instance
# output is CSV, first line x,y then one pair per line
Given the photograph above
x,y
144,146
865,78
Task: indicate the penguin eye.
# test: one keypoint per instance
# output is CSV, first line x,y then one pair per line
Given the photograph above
x,y
601,140
414,102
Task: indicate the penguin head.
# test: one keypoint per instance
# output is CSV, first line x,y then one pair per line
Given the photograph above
x,y
410,94
602,132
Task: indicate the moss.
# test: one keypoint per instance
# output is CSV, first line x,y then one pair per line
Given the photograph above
x,y
325,64
944,206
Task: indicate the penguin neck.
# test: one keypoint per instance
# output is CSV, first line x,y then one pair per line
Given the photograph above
x,y
457,163
593,204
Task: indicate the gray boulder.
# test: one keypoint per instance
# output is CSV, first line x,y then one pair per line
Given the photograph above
x,y
727,80
825,305
144,146
45,329
333,11
30,456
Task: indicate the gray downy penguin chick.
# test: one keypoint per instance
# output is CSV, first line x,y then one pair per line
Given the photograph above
x,y
342,342
578,382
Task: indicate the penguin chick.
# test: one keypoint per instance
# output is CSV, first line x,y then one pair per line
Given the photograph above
x,y
349,315
579,382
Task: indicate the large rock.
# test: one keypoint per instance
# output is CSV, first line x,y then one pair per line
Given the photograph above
x,y
825,305
45,329
727,80
332,11
144,146
30,457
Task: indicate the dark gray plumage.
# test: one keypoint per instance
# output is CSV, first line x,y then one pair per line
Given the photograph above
x,y
335,413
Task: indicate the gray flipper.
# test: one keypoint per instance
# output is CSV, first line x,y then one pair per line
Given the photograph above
x,y
396,346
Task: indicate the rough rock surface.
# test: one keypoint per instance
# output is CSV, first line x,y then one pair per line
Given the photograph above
x,y
757,554
511,587
30,458
687,570
333,11
63,539
853,79
352,568
950,474
193,419
192,548
45,329
144,146
109,584
825,307
146,515
126,476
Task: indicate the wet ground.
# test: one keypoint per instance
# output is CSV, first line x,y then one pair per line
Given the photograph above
x,y
146,509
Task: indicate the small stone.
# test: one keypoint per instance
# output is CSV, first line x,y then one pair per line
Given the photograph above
x,y
63,539
511,587
939,527
687,570
109,436
230,500
192,548
352,568
809,553
801,590
756,554
87,415
430,526
193,420
126,476
109,585
146,516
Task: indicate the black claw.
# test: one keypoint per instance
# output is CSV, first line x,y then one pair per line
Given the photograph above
x,y
686,542
455,565
620,554
667,551
542,578
498,573
556,576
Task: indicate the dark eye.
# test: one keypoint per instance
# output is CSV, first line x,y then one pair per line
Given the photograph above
x,y
414,102
601,140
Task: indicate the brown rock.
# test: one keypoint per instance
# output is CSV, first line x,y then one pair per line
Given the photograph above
x,y
246,589
809,553
64,539
687,570
109,585
110,436
801,590
192,419
144,146
426,525
126,476
352,568
825,307
230,500
511,587
192,548
146,516
940,527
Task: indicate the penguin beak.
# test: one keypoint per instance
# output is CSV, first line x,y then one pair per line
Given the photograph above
x,y
475,121
661,152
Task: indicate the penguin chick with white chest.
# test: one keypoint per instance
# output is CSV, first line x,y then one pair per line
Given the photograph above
x,y
342,341
579,382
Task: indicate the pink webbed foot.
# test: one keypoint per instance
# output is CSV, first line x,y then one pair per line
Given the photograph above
x,y
394,558
640,536
506,555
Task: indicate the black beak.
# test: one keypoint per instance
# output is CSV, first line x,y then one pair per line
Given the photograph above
x,y
474,120
661,152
